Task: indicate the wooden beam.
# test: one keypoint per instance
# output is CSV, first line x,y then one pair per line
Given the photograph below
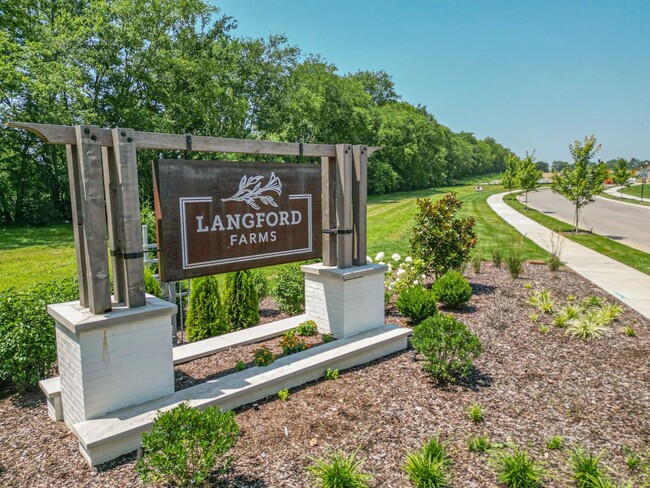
x,y
94,218
344,237
328,205
360,204
130,225
113,216
77,222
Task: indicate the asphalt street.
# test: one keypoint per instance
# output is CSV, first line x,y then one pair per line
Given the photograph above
x,y
626,223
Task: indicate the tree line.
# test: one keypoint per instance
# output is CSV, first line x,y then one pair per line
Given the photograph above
x,y
180,67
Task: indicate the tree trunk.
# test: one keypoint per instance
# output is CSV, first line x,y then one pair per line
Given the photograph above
x,y
577,217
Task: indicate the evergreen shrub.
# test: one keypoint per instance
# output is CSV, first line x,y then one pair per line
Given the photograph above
x,y
448,347
416,303
452,290
241,301
205,315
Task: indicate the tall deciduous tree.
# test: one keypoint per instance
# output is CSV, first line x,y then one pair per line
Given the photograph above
x,y
621,174
585,179
528,175
510,178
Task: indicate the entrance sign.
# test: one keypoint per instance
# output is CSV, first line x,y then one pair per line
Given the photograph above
x,y
215,216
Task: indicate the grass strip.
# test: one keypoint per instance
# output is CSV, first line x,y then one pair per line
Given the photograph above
x,y
633,258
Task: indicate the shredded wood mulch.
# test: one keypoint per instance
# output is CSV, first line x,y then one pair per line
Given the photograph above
x,y
530,385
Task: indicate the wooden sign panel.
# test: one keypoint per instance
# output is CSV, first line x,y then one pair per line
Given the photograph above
x,y
215,216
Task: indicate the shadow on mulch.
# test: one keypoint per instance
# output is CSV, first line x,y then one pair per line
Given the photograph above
x,y
241,480
269,313
482,289
31,398
116,463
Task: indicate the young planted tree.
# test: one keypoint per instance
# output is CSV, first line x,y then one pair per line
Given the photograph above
x,y
205,317
439,238
584,180
528,175
621,174
510,179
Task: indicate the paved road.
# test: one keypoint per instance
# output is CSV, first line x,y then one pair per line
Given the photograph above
x,y
625,283
628,224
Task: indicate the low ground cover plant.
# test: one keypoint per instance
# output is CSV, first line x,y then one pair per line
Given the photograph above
x,y
542,301
283,394
586,468
416,303
479,443
554,442
292,343
475,413
289,289
307,328
452,290
186,445
331,374
591,324
429,466
338,471
516,468
448,347
263,356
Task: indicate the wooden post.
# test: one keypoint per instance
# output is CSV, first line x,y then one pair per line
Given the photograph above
x,y
130,225
328,205
77,221
360,204
344,236
93,212
113,213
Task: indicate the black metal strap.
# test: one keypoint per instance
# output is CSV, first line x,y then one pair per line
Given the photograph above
x,y
127,255
301,149
336,231
188,142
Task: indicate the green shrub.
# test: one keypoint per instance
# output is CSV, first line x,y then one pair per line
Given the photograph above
x,y
475,413
517,469
515,261
205,315
307,328
289,289
331,374
327,338
586,468
151,284
428,467
448,347
554,442
291,343
283,394
260,282
452,290
440,239
476,263
479,443
416,303
497,258
186,445
338,471
27,332
240,365
241,304
262,356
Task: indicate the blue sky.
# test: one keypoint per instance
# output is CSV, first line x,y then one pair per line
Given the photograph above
x,y
533,75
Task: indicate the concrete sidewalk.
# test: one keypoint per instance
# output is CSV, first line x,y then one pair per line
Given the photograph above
x,y
627,284
614,191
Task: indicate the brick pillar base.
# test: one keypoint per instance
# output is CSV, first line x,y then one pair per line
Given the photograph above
x,y
112,360
345,302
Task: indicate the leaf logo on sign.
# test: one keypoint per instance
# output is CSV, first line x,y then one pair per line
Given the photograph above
x,y
251,189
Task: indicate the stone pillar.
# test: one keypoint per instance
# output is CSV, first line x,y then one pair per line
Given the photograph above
x,y
345,302
112,360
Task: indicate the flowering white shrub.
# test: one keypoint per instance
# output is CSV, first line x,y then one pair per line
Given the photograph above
x,y
396,257
380,256
409,272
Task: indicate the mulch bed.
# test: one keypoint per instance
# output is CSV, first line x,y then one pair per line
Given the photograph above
x,y
531,386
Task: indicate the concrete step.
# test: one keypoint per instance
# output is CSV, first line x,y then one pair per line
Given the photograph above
x,y
117,433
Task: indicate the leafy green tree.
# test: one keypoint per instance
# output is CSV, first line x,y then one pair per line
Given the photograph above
x,y
241,301
582,182
621,174
442,240
559,166
510,178
205,315
528,175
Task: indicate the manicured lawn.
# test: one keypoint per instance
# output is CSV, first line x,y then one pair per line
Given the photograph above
x,y
30,255
634,258
627,200
390,220
636,191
